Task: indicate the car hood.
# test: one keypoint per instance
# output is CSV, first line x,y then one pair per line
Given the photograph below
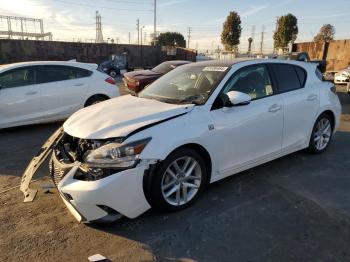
x,y
139,75
120,116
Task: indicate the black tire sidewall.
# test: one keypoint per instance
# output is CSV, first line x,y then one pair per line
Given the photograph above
x,y
312,148
94,99
156,196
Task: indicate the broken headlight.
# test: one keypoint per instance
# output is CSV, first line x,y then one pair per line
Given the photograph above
x,y
115,155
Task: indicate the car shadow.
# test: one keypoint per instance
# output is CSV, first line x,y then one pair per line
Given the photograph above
x,y
19,145
296,207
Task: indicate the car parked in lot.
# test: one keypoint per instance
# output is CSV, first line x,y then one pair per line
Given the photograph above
x,y
195,125
342,77
38,92
114,65
135,81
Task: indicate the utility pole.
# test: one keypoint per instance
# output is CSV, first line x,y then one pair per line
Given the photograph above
x,y
138,31
253,38
142,27
141,54
189,37
99,36
274,47
155,23
262,39
129,38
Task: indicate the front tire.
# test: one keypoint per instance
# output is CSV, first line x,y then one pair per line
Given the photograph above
x,y
178,181
321,134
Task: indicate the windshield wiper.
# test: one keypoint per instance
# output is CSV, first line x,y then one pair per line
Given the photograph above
x,y
191,99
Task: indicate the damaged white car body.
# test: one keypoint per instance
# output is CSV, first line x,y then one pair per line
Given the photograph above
x,y
122,156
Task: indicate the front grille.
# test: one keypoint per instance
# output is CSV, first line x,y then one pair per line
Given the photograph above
x,y
58,170
56,173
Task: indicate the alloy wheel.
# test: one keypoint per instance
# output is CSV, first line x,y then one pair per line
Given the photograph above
x,y
181,181
322,133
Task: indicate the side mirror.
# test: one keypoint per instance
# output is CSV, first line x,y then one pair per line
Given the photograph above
x,y
238,98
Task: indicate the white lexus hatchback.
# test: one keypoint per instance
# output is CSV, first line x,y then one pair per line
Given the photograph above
x,y
38,92
196,125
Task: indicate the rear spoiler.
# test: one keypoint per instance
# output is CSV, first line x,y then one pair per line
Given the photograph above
x,y
321,65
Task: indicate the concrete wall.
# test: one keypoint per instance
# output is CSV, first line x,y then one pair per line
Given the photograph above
x,y
27,50
336,53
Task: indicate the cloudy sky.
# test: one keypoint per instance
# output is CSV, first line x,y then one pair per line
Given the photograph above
x,y
75,19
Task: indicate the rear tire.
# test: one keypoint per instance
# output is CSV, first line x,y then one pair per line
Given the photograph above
x,y
321,134
178,181
95,100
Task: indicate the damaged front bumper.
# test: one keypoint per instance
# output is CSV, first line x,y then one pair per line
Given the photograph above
x,y
44,152
103,200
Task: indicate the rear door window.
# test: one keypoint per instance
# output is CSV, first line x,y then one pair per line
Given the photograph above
x,y
53,73
22,76
287,77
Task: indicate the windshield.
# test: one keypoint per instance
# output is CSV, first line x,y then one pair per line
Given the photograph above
x,y
163,68
186,85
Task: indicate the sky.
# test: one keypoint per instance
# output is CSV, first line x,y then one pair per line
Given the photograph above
x,y
75,19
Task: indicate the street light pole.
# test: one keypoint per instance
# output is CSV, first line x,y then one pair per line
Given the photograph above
x,y
155,23
142,27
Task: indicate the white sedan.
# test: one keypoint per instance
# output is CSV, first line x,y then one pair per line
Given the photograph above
x,y
342,77
38,92
196,125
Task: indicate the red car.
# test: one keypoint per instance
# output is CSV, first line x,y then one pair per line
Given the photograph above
x,y
135,81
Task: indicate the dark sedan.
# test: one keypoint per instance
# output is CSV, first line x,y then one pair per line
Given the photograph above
x,y
137,80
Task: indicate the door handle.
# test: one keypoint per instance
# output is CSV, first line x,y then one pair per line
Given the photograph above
x,y
79,84
30,93
311,97
274,108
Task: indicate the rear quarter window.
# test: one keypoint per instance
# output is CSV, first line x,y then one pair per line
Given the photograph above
x,y
301,75
287,77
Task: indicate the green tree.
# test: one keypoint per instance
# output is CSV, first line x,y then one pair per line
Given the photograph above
x,y
287,31
231,31
326,33
171,39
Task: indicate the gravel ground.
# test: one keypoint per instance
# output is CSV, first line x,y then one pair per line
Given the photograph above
x,y
296,208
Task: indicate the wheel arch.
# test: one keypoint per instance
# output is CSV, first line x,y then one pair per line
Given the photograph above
x,y
147,180
203,153
331,114
95,96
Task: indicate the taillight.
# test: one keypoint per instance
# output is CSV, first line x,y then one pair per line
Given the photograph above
x,y
110,80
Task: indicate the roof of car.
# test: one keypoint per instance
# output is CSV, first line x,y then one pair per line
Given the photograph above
x,y
226,63
178,62
32,63
229,63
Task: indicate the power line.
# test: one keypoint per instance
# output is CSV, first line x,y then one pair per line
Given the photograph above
x,y
103,7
